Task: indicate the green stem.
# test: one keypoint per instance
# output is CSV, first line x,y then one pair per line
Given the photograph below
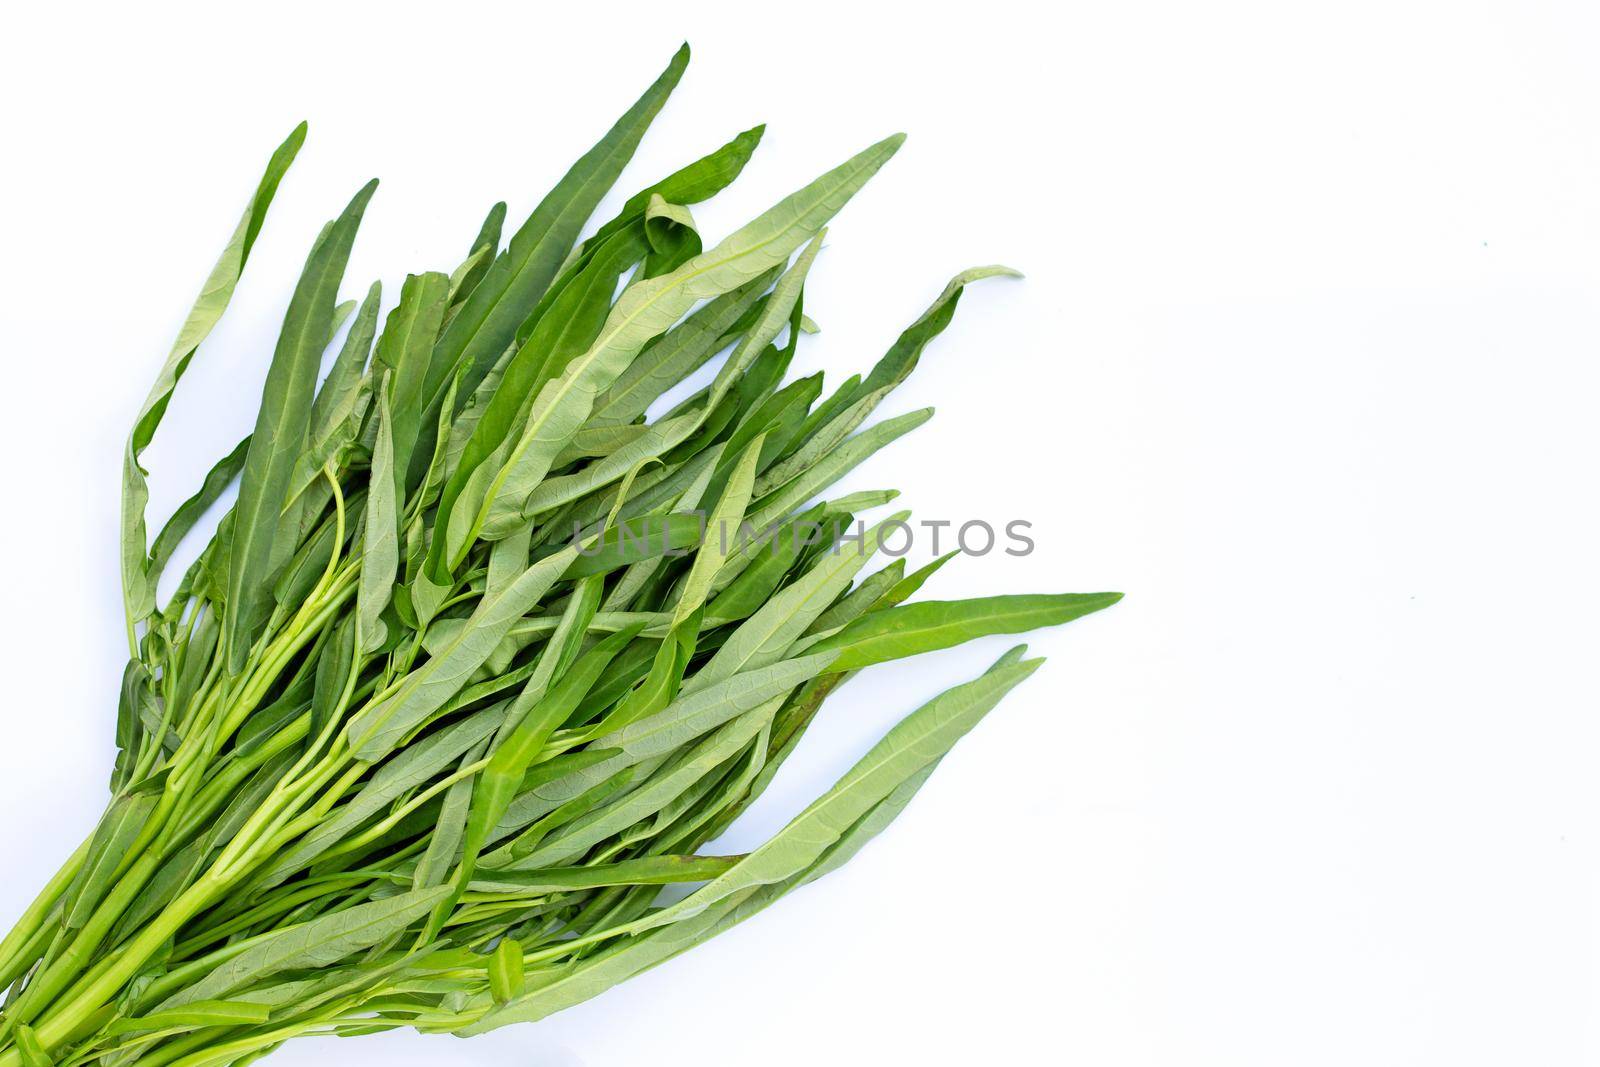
x,y
85,1001
31,950
33,918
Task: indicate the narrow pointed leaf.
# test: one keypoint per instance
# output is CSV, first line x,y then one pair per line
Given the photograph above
x,y
138,588
911,629
281,428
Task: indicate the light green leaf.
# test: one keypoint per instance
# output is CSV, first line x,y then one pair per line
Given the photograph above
x,y
660,789
910,629
380,543
138,586
820,444
685,719
677,354
281,429
108,848
835,465
321,942
648,309
649,443
507,975
765,636
722,531
901,359
405,350
342,399
445,841
907,587
375,732
196,1015
920,739
646,870
217,480
512,286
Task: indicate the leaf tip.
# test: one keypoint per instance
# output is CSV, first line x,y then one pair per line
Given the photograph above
x,y
1012,656
358,203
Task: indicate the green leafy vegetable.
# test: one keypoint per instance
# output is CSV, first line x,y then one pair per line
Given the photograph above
x,y
486,651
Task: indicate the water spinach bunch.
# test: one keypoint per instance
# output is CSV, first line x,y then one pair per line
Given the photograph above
x,y
483,654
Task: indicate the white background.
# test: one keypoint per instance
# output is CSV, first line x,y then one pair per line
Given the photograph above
x,y
1305,362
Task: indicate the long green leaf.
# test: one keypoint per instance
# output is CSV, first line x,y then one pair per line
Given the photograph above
x,y
137,585
380,542
513,285
646,870
281,428
216,482
405,349
722,530
911,629
318,943
921,738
